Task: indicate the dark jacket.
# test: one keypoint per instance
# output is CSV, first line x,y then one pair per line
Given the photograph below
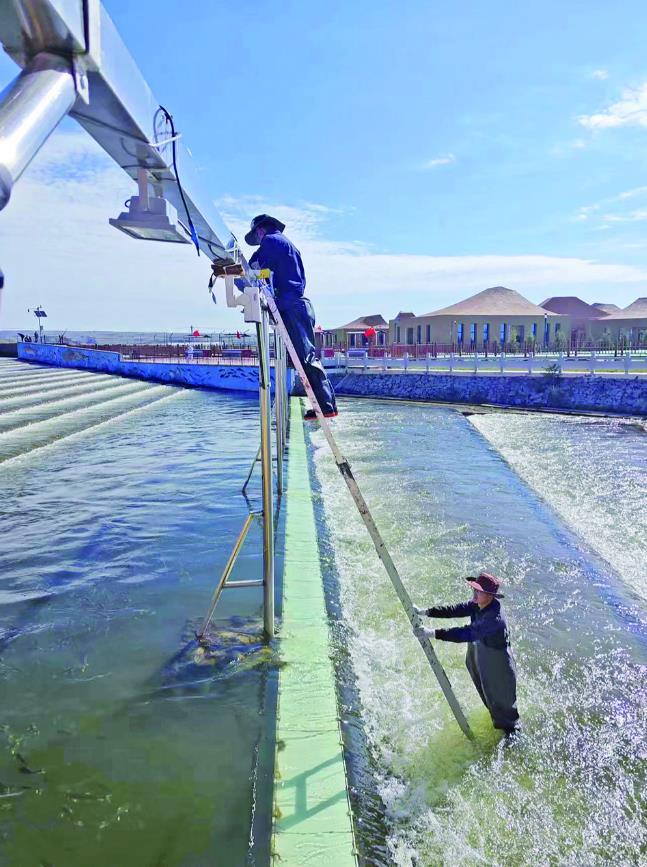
x,y
487,624
280,255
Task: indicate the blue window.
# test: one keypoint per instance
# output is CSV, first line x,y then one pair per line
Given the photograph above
x,y
459,332
486,332
397,333
503,332
558,327
534,330
419,336
473,330
428,334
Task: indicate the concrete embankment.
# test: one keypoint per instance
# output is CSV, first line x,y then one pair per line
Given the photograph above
x,y
616,394
312,821
225,377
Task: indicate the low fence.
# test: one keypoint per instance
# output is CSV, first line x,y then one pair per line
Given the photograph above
x,y
361,361
529,347
234,377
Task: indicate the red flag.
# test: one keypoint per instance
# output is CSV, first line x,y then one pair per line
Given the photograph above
x,y
196,333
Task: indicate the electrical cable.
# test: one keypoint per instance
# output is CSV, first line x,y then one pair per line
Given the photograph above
x,y
194,234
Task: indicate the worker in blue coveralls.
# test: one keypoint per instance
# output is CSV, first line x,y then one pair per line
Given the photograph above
x,y
279,254
489,658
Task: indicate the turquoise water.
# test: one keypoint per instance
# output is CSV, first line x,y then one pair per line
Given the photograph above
x,y
120,505
571,790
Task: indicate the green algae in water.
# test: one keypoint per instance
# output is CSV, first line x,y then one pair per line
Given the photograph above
x,y
109,544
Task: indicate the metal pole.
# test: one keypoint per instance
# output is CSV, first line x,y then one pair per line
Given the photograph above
x,y
263,338
31,107
279,403
226,573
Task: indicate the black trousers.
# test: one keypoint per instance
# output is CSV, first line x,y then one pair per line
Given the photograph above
x,y
299,319
494,675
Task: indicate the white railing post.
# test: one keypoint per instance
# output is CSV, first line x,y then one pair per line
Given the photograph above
x,y
592,363
451,362
501,362
427,364
627,362
405,358
560,358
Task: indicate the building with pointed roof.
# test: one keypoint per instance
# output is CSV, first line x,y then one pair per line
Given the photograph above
x,y
496,316
351,335
601,322
605,308
629,324
570,305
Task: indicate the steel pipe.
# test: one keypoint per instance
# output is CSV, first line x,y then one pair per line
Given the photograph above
x,y
31,107
279,403
263,337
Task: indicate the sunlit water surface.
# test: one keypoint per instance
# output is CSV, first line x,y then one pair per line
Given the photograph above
x,y
592,471
571,790
120,742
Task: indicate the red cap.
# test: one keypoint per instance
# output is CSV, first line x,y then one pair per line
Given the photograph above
x,y
486,583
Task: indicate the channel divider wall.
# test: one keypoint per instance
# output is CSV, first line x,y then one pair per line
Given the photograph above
x,y
312,815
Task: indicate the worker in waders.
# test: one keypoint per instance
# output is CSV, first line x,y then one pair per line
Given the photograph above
x,y
489,658
279,254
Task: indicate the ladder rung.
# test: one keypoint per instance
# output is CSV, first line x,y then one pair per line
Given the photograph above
x,y
255,583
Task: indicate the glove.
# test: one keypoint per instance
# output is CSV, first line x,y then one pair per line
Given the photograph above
x,y
424,632
421,612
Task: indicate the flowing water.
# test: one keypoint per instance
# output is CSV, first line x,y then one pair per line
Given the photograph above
x,y
120,741
571,789
592,471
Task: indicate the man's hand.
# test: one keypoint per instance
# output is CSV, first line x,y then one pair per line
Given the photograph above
x,y
424,632
227,269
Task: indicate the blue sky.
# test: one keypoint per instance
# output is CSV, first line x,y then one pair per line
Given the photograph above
x,y
419,152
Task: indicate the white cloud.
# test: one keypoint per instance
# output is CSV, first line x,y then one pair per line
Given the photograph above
x,y
631,110
59,251
567,148
600,74
585,212
636,216
631,194
436,162
613,207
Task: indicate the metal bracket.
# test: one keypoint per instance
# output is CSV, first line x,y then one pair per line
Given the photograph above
x,y
249,299
81,80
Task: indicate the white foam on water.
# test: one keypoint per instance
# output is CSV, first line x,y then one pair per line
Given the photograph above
x,y
41,396
20,442
49,409
592,471
569,790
